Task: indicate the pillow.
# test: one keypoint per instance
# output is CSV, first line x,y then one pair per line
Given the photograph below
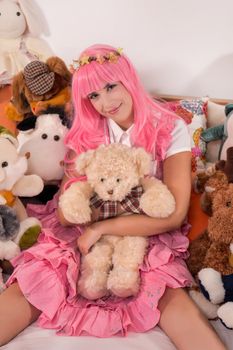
x,y
216,115
194,113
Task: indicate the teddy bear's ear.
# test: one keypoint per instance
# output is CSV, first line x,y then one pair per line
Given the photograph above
x,y
18,94
142,160
83,161
56,65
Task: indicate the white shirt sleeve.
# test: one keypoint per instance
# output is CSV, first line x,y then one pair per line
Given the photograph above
x,y
181,140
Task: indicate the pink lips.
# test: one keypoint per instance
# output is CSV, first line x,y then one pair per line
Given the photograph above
x,y
114,110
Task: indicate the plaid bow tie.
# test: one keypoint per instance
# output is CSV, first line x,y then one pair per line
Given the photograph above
x,y
108,209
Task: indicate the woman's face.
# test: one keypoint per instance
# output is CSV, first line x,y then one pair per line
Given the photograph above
x,y
114,101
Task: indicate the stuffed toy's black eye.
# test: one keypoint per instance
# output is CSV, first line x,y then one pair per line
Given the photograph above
x,y
118,180
4,164
102,179
228,204
44,136
18,13
56,138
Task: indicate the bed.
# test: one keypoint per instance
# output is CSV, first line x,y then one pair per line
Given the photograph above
x,y
33,337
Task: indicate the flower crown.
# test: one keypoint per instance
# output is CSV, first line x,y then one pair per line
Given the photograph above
x,y
112,57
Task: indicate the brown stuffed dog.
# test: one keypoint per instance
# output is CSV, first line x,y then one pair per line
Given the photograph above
x,y
39,86
211,254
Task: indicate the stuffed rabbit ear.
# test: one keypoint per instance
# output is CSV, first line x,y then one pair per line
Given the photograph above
x,y
18,94
57,65
142,160
36,22
83,161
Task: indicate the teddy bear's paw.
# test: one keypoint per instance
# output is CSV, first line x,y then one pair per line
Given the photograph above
x,y
93,286
157,202
76,208
225,313
123,283
211,285
209,309
8,250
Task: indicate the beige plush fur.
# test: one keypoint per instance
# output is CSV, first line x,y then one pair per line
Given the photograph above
x,y
112,265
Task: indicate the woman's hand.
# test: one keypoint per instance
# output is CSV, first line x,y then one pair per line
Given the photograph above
x,y
89,237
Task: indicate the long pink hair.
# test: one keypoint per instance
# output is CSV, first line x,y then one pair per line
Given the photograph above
x,y
89,128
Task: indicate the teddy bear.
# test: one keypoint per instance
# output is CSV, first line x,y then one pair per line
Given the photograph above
x,y
116,184
211,254
43,138
39,86
21,24
17,230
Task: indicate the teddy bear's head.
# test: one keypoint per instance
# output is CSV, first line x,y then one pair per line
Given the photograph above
x,y
114,170
40,82
221,222
208,185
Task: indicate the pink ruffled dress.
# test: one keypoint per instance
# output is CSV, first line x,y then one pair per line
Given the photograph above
x,y
47,274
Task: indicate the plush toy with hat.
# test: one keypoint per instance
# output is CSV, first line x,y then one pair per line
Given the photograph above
x,y
21,24
17,230
211,254
39,86
116,185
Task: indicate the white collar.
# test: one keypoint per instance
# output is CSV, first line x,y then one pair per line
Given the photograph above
x,y
116,133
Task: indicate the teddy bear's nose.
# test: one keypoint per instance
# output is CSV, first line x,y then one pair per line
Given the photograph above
x,y
110,192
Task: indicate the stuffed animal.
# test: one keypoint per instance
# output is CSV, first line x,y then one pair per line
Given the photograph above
x,y
21,24
223,132
116,185
39,86
211,259
43,138
17,230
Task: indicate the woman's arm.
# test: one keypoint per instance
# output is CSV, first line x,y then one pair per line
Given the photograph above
x,y
177,176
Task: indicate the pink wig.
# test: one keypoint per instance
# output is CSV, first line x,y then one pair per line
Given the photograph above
x,y
89,128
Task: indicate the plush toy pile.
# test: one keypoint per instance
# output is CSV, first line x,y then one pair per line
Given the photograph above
x,y
21,24
39,86
17,230
211,255
116,185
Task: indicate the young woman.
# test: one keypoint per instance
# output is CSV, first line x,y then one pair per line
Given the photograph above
x,y
112,106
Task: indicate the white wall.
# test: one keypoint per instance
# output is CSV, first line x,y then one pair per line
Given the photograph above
x,y
178,46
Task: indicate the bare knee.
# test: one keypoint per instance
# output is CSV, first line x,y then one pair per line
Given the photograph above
x,y
16,313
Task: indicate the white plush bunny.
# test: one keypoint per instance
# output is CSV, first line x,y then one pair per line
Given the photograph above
x,y
21,24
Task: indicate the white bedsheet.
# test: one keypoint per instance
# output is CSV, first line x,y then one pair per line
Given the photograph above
x,y
35,338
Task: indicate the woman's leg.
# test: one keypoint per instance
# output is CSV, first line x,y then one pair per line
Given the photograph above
x,y
184,324
16,313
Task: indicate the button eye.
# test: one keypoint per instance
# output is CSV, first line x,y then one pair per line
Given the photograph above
x,y
4,164
56,138
102,179
44,136
118,180
18,13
